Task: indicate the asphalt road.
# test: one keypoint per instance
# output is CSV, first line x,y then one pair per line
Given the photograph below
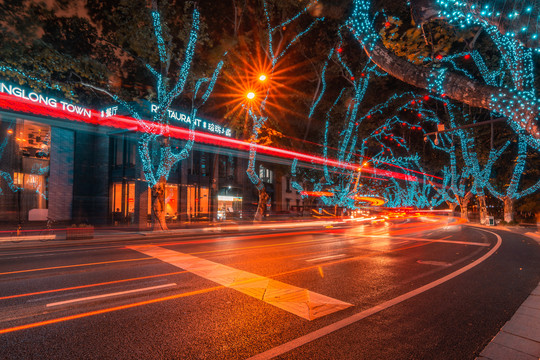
x,y
414,289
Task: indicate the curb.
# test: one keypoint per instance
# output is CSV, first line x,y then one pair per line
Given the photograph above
x,y
149,235
519,338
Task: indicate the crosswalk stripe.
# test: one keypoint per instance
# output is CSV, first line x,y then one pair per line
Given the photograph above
x,y
298,301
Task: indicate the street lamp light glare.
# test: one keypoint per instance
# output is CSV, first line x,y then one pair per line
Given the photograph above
x,y
262,77
250,95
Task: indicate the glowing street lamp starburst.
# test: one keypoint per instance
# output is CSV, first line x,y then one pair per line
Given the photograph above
x,y
252,84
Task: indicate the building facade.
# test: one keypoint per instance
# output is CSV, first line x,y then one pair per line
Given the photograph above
x,y
71,164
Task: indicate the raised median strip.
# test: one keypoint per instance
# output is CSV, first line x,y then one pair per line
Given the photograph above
x,y
298,301
27,238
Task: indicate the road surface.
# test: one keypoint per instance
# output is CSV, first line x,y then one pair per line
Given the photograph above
x,y
422,288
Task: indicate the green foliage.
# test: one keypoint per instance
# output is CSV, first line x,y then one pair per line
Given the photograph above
x,y
48,47
420,44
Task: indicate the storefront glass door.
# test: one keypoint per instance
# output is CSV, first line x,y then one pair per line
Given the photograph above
x,y
198,203
123,202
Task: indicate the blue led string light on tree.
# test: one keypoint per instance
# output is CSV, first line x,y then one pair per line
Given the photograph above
x,y
519,106
156,149
511,194
258,115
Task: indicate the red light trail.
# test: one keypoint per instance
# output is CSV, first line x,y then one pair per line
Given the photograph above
x,y
16,104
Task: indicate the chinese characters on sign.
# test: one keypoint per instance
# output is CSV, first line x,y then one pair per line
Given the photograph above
x,y
108,112
199,123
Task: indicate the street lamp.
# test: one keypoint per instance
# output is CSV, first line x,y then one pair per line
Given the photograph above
x,y
262,77
250,95
365,164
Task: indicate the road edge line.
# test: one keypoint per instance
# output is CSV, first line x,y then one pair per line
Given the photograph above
x,y
305,339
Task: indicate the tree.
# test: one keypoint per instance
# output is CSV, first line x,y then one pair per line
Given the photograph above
x,y
171,76
257,109
510,193
157,151
517,103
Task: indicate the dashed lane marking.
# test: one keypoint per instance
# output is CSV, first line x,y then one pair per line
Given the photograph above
x,y
435,263
438,240
110,295
326,257
298,301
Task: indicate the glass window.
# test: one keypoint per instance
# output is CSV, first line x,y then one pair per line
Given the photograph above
x,y
197,202
24,165
118,151
171,202
265,174
288,184
123,202
132,153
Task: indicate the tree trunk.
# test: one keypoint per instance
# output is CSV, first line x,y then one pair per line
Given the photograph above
x,y
508,209
261,207
464,211
158,206
451,206
483,209
463,204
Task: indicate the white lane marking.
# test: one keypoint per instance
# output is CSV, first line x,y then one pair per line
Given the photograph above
x,y
110,294
459,242
298,301
326,257
438,241
432,262
302,340
379,245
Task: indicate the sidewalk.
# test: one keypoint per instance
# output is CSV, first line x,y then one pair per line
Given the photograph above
x,y
519,338
101,235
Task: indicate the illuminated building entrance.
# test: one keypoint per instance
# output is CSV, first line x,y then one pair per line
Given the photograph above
x,y
229,204
197,203
123,202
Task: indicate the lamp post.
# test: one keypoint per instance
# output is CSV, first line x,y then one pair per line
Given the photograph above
x,y
359,173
